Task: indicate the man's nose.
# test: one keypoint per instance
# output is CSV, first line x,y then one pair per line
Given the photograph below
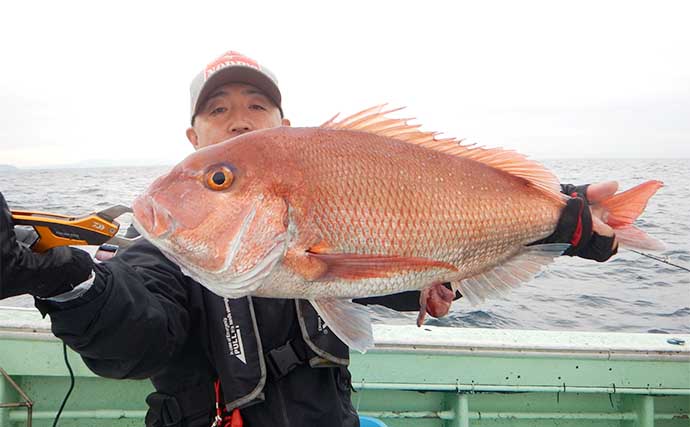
x,y
239,128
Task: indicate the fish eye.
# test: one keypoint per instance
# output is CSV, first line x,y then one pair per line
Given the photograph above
x,y
219,178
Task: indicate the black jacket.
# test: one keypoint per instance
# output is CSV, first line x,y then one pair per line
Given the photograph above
x,y
143,318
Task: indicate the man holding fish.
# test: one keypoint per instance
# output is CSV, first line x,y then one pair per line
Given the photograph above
x,y
265,355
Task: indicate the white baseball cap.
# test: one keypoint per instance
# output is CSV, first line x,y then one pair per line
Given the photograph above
x,y
233,67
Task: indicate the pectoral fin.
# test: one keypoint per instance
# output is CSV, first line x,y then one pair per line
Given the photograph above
x,y
319,264
356,266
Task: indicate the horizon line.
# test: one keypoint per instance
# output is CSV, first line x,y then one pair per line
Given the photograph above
x,y
138,163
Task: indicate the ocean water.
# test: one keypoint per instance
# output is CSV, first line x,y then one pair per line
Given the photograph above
x,y
629,293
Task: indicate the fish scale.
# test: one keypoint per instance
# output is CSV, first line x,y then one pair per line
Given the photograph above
x,y
434,222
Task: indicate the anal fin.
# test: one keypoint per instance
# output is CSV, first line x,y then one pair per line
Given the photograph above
x,y
517,270
350,321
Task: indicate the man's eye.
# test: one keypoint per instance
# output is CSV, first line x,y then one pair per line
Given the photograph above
x,y
257,107
218,110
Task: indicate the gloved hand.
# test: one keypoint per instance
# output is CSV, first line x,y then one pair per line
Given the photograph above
x,y
589,236
43,275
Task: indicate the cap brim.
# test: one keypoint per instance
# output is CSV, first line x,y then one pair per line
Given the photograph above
x,y
240,74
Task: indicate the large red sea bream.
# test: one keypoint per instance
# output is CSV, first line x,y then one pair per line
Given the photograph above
x,y
365,206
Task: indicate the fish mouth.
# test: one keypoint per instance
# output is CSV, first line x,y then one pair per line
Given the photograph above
x,y
152,219
223,281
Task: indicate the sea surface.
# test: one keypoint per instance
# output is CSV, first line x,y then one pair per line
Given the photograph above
x,y
629,293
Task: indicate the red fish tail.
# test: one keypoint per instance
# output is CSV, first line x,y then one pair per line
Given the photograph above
x,y
624,208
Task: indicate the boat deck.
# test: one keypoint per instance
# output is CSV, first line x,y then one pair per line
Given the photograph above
x,y
429,376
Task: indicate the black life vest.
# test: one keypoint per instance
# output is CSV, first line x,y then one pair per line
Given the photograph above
x,y
243,366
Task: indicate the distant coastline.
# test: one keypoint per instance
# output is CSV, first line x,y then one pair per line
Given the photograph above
x,y
7,168
104,163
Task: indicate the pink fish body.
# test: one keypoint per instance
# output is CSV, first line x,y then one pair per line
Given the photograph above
x,y
362,207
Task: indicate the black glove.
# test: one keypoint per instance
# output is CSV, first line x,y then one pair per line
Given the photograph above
x,y
43,275
575,227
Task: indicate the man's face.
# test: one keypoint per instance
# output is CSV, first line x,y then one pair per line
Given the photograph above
x,y
232,110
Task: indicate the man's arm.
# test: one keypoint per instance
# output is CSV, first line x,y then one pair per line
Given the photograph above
x,y
404,301
409,301
590,237
126,317
132,320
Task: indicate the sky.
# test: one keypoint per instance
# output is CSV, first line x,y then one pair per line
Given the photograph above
x,y
93,82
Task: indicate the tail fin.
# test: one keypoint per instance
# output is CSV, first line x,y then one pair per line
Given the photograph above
x,y
624,208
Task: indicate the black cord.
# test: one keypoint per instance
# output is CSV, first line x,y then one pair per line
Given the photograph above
x,y
660,260
71,385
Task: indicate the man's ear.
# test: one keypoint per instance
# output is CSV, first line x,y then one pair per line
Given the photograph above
x,y
286,122
193,137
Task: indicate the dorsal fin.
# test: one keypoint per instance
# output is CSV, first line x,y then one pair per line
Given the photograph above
x,y
375,120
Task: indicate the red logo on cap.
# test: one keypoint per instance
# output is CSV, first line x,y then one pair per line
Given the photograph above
x,y
227,59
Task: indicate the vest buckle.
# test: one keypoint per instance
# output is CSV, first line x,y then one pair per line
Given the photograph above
x,y
282,360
